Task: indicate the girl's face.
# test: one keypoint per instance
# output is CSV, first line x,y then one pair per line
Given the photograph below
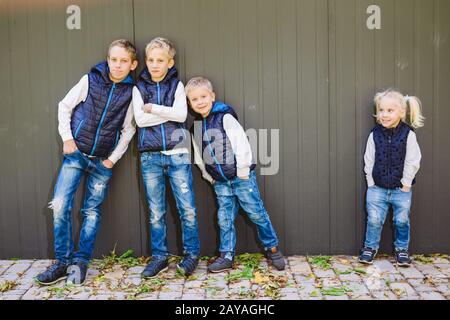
x,y
390,112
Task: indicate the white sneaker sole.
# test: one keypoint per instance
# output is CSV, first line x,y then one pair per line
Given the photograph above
x,y
50,283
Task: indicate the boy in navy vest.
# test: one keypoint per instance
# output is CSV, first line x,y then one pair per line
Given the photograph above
x,y
225,159
160,110
392,160
95,124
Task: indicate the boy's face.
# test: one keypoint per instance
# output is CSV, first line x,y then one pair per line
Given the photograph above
x,y
158,63
120,63
201,100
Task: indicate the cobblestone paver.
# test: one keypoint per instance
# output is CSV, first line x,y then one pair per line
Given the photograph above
x,y
305,278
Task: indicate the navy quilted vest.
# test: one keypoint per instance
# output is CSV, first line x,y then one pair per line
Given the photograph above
x,y
218,155
168,135
390,145
96,123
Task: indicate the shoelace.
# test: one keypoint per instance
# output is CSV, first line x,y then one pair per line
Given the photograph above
x,y
54,267
403,255
188,263
367,253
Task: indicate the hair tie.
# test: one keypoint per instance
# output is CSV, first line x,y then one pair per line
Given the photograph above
x,y
407,98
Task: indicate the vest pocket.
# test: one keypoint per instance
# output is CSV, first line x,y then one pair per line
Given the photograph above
x,y
141,141
77,131
117,139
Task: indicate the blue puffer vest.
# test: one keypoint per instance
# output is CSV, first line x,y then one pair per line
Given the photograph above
x,y
390,145
96,123
219,158
161,137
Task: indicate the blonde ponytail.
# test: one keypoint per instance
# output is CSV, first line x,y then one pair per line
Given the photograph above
x,y
414,107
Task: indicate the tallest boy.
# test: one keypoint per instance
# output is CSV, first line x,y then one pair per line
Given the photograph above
x,y
95,124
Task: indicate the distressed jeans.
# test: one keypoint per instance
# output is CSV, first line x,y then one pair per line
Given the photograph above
x,y
74,167
378,201
245,193
155,166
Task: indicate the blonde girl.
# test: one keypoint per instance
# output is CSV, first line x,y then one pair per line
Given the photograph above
x,y
392,160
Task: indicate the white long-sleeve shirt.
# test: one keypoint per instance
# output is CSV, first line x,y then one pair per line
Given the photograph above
x,y
161,114
78,94
239,144
412,160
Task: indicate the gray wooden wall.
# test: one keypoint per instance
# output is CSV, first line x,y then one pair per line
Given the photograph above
x,y
307,67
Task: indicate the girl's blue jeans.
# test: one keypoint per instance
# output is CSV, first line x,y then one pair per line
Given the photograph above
x,y
378,201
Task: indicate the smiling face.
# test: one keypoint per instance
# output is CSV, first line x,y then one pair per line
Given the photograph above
x,y
390,112
158,63
120,63
201,100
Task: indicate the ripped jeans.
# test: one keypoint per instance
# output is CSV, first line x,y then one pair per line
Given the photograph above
x,y
73,168
245,194
378,201
155,166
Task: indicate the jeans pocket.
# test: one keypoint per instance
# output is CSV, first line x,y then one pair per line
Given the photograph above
x,y
71,154
103,166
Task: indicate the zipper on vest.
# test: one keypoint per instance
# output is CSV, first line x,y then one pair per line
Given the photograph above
x,y
78,128
97,134
389,161
212,153
162,125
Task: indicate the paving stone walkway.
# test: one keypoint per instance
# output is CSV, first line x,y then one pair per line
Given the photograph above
x,y
305,278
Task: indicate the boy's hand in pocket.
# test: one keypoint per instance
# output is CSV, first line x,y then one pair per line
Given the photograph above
x,y
406,189
108,163
69,146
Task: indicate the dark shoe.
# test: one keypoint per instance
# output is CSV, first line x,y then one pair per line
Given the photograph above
x,y
56,272
367,255
188,265
155,267
277,259
76,273
402,257
220,264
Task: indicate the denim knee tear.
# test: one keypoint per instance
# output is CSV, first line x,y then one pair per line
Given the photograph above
x,y
98,187
56,205
184,187
91,215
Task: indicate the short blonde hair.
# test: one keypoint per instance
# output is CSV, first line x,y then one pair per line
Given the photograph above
x,y
127,45
411,106
161,43
198,82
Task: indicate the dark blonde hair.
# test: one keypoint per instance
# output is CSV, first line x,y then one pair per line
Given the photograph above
x,y
161,43
127,45
411,105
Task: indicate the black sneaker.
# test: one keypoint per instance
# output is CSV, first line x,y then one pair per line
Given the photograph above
x,y
56,272
188,265
367,255
76,273
402,257
220,264
277,259
155,267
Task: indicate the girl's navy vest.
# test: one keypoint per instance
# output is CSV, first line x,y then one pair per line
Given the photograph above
x,y
390,146
218,155
168,135
96,123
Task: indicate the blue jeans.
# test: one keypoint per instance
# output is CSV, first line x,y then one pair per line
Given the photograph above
x,y
378,201
73,168
155,166
245,193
